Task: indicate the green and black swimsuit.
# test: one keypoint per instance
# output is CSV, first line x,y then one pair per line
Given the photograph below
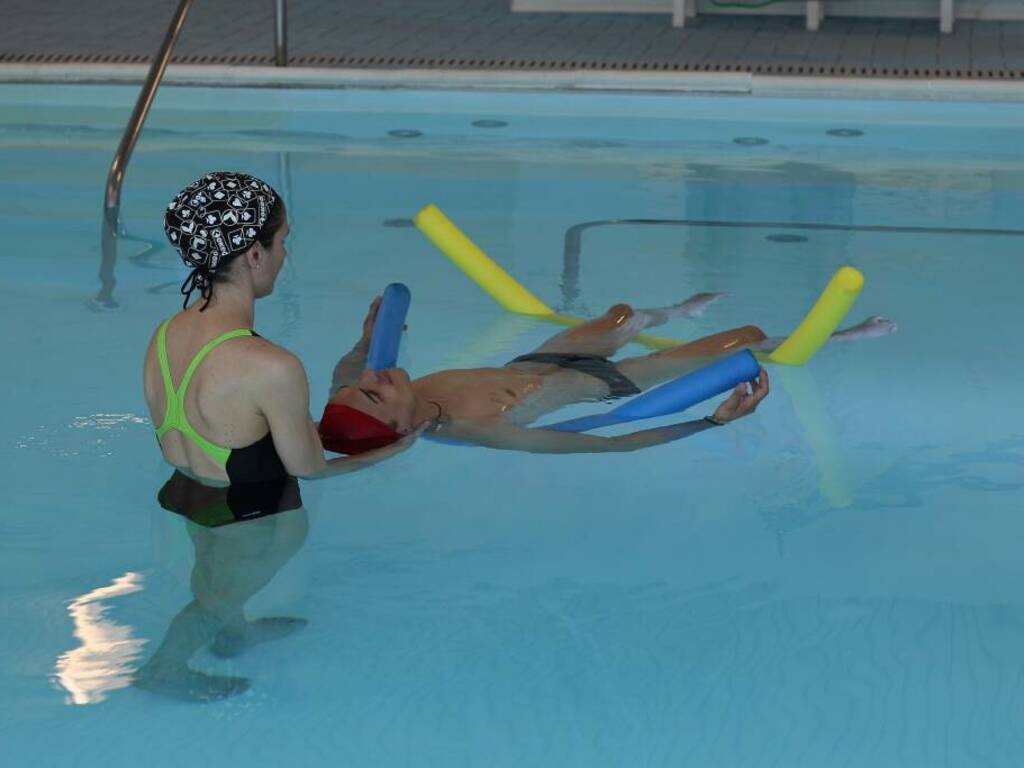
x,y
260,485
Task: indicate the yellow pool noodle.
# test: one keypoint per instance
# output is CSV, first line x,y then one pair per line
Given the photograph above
x,y
826,314
499,284
809,407
478,266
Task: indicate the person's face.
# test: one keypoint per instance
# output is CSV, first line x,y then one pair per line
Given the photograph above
x,y
270,262
386,395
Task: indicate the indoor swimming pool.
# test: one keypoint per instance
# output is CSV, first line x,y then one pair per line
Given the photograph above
x,y
835,581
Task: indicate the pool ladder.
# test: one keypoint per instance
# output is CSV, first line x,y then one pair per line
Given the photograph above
x,y
115,178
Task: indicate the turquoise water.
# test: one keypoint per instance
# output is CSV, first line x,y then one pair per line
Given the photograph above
x,y
836,581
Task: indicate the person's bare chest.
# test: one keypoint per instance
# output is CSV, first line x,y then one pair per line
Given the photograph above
x,y
478,393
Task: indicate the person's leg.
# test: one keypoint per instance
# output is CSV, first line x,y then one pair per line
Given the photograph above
x,y
167,671
647,370
606,334
865,329
288,532
232,563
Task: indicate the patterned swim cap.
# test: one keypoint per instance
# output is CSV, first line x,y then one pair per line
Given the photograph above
x,y
216,216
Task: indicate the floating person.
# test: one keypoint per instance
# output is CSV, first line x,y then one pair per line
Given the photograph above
x,y
493,407
231,406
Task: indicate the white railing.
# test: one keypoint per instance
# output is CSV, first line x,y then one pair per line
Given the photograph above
x,y
947,11
814,10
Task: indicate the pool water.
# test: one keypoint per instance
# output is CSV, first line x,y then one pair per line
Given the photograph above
x,y
836,581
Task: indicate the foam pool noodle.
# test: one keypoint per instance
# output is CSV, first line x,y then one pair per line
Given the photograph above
x,y
824,317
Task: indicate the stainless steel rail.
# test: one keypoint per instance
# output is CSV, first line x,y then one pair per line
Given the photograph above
x,y
281,33
112,200
115,178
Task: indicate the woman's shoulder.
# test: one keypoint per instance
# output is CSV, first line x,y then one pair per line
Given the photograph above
x,y
275,362
252,349
271,352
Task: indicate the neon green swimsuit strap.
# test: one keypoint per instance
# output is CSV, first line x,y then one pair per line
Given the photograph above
x,y
175,418
207,348
171,409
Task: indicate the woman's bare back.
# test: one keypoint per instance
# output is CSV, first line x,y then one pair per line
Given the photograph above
x,y
217,404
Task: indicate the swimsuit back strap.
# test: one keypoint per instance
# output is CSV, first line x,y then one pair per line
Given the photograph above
x,y
174,417
171,408
207,348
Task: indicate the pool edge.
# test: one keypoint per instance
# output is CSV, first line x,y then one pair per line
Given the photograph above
x,y
564,80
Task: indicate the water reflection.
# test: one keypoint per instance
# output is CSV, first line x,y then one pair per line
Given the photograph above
x,y
241,535
105,659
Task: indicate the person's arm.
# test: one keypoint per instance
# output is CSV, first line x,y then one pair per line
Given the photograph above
x,y
352,364
743,401
349,367
502,435
284,400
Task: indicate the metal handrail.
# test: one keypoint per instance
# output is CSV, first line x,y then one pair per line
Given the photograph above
x,y
112,199
281,33
115,178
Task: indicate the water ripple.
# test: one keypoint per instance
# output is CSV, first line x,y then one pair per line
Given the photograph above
x,y
94,435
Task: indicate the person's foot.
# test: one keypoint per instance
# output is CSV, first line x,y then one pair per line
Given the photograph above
x,y
188,685
231,642
873,326
696,304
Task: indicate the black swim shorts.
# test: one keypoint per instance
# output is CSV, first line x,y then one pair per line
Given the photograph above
x,y
619,385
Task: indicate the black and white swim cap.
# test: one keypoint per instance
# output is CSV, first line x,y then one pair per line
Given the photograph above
x,y
216,216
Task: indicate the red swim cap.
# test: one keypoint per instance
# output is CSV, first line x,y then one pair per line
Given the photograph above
x,y
344,429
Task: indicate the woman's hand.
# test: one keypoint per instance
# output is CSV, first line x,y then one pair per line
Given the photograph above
x,y
744,399
380,454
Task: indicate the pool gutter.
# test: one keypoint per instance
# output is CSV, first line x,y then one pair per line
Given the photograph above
x,y
731,83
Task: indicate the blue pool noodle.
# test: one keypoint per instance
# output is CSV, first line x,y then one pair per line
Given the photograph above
x,y
674,396
387,328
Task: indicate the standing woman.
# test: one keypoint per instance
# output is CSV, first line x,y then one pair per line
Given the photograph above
x,y
232,416
231,407
231,412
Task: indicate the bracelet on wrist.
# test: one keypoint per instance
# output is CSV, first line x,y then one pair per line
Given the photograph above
x,y
715,422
